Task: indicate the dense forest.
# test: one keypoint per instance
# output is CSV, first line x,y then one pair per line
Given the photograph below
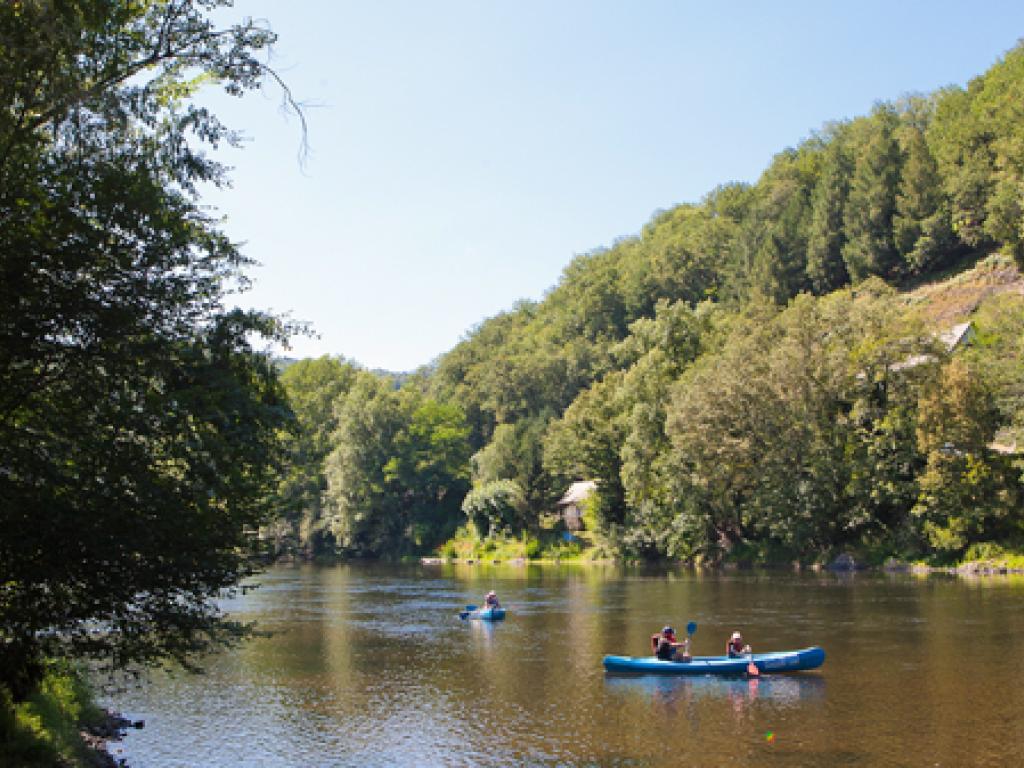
x,y
761,375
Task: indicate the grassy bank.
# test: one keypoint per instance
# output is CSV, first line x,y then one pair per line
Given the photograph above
x,y
547,545
552,546
45,730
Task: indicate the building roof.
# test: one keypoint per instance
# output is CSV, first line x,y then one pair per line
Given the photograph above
x,y
1007,449
912,362
1005,442
957,335
577,492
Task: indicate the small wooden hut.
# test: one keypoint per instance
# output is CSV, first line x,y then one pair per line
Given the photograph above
x,y
570,505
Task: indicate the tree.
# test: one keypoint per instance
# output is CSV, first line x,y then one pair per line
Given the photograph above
x,y
516,453
964,494
365,517
138,425
963,154
1000,360
398,471
826,269
997,116
869,248
495,506
770,445
313,387
585,443
778,227
922,226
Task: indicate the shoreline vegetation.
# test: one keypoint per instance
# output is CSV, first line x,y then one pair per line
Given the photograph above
x,y
972,568
60,724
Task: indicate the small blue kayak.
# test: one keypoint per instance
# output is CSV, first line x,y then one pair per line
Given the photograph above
x,y
485,614
781,661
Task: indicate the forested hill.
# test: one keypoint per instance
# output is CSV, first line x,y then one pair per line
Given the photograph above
x,y
760,372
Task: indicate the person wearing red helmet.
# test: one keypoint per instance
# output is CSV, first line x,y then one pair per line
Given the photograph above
x,y
668,648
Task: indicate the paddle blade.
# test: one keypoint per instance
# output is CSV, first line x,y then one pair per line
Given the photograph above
x,y
691,628
464,614
470,607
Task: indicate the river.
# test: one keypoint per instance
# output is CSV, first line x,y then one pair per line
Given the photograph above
x,y
370,665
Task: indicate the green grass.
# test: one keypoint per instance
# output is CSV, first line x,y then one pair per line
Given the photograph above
x,y
994,555
544,546
43,731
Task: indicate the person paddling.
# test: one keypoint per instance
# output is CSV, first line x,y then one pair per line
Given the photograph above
x,y
735,646
668,648
491,600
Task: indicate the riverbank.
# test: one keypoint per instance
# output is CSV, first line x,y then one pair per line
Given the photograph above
x,y
59,725
973,568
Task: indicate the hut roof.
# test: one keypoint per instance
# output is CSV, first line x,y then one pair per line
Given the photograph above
x,y
577,492
957,335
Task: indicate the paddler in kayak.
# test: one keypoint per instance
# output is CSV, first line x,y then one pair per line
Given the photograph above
x,y
735,646
668,648
491,600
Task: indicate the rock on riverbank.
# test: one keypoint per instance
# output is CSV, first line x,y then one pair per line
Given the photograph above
x,y
97,736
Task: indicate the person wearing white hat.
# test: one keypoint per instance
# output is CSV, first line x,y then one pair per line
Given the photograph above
x,y
491,600
735,647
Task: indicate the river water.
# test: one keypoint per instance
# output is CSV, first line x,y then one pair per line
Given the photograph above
x,y
370,665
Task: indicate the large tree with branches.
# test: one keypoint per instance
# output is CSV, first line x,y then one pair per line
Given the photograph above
x,y
138,422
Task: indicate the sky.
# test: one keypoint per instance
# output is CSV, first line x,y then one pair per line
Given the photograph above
x,y
462,152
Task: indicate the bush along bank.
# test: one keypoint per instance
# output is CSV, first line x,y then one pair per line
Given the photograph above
x,y
58,724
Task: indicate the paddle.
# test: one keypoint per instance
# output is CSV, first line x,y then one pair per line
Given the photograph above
x,y
752,670
691,630
465,614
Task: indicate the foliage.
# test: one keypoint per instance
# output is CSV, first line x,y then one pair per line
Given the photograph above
x,y
584,444
312,388
922,228
515,453
964,493
398,471
44,729
503,546
871,205
138,425
494,507
998,358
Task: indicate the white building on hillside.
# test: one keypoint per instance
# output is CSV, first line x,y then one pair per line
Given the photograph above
x,y
570,504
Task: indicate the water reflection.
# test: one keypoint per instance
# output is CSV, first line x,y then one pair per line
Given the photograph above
x,y
780,689
482,632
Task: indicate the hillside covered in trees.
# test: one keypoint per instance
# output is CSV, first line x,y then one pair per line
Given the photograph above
x,y
762,374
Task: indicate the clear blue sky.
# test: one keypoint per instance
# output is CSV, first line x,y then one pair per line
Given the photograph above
x,y
463,152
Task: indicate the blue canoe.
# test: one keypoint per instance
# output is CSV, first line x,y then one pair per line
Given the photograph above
x,y
485,614
781,661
